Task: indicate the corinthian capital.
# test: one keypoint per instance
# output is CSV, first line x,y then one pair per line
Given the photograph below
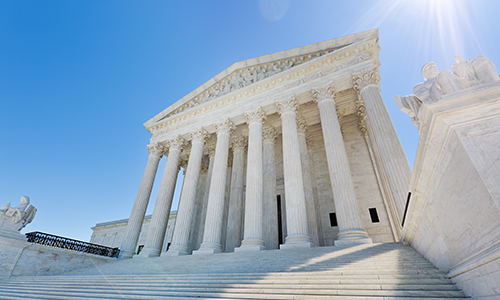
x,y
224,127
324,92
365,78
211,150
256,115
177,143
301,124
156,149
287,105
269,134
200,135
239,143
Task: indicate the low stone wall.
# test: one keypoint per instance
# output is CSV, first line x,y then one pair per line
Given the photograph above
x,y
18,258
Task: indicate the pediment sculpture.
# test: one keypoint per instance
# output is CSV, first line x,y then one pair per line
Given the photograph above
x,y
16,218
466,74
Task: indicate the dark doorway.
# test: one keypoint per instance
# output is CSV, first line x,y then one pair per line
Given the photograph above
x,y
280,224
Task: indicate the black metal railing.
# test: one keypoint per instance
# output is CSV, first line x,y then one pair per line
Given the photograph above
x,y
70,244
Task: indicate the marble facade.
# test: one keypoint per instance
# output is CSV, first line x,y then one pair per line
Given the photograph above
x,y
111,234
275,150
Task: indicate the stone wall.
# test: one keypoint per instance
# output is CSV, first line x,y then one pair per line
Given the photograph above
x,y
19,258
454,213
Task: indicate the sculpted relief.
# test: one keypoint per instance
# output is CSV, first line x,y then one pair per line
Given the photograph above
x,y
16,218
245,77
465,74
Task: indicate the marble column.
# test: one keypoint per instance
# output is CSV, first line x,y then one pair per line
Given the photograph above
x,y
215,208
346,205
252,240
161,212
388,146
183,222
200,191
235,214
296,215
312,164
308,186
204,200
134,225
366,131
270,206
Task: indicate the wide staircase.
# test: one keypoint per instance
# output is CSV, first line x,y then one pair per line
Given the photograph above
x,y
378,271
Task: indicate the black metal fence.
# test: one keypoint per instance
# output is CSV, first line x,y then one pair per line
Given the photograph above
x,y
70,244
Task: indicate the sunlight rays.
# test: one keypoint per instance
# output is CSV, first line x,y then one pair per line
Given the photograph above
x,y
440,28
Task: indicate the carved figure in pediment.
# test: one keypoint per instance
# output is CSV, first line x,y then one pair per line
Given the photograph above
x,y
276,70
289,65
261,73
249,76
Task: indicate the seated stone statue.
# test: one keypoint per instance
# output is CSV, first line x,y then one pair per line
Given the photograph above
x,y
465,74
436,83
20,215
474,72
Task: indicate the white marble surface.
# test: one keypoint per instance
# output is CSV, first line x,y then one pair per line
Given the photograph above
x,y
454,211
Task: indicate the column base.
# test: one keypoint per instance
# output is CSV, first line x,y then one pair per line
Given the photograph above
x,y
348,243
176,250
251,244
249,248
149,252
125,254
352,237
297,241
208,248
296,245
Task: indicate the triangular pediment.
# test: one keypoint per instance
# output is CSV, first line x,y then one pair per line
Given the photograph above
x,y
248,72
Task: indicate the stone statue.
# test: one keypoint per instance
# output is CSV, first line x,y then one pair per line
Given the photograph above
x,y
474,71
436,83
410,105
19,216
465,74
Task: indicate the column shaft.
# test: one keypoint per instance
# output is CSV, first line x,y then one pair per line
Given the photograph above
x,y
185,213
134,225
215,207
253,198
385,138
346,205
204,201
312,164
200,191
296,215
161,212
235,214
270,206
308,187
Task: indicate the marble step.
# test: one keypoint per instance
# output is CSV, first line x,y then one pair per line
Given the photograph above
x,y
232,293
259,285
236,277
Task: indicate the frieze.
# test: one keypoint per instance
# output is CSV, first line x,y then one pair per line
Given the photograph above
x,y
299,76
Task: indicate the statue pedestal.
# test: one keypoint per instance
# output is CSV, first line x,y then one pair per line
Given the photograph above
x,y
11,230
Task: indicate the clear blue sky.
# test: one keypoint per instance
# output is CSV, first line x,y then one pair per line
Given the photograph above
x,y
79,78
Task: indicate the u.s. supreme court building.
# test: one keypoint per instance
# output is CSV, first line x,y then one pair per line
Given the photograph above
x,y
291,149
